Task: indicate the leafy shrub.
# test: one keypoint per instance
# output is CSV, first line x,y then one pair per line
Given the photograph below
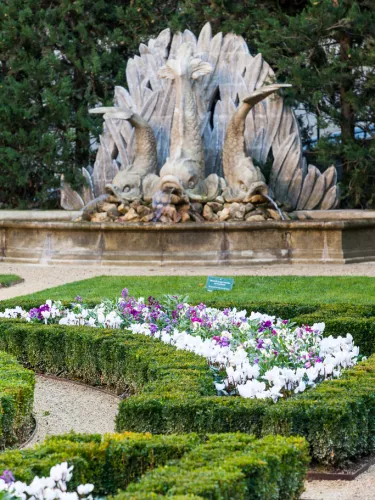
x,y
189,466
16,400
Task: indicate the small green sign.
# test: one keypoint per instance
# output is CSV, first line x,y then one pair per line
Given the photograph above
x,y
215,283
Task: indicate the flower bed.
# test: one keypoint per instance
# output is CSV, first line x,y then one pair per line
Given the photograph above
x,y
256,356
16,401
173,390
271,468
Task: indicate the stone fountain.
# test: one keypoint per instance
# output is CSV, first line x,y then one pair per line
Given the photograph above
x,y
189,138
199,162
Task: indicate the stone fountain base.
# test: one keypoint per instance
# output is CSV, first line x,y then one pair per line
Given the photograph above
x,y
178,209
347,239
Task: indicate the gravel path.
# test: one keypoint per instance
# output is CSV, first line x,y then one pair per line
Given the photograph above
x,y
60,407
362,488
38,277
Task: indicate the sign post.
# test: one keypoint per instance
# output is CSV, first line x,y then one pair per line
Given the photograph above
x,y
215,283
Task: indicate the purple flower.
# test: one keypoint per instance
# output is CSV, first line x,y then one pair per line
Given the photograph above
x,y
7,477
224,342
78,299
264,325
34,313
153,302
308,364
153,328
285,321
194,319
124,293
318,360
276,353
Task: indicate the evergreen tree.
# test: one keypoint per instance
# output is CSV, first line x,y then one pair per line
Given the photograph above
x,y
58,58
327,51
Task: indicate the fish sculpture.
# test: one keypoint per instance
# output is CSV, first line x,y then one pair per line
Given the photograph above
x,y
127,184
184,171
243,178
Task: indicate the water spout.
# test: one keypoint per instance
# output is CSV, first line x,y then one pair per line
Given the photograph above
x,y
160,200
273,202
91,204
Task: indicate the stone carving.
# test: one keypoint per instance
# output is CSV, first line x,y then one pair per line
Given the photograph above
x,y
184,169
127,183
242,177
206,104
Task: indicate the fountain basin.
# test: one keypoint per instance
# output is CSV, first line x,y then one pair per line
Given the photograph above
x,y
310,240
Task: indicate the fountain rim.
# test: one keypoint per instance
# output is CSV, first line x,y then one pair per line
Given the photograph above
x,y
190,226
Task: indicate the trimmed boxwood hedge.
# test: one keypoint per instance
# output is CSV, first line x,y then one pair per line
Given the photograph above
x,y
177,466
16,400
173,390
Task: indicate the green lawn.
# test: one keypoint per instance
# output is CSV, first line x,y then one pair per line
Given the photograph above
x,y
247,289
9,280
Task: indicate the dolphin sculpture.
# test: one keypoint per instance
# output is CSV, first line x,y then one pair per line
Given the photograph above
x,y
184,170
243,178
127,184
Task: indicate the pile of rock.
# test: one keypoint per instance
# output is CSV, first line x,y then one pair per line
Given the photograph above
x,y
175,209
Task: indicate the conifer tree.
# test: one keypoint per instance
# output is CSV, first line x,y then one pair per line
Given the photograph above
x,y
327,51
58,58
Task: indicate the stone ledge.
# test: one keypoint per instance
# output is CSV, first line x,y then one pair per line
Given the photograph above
x,y
189,226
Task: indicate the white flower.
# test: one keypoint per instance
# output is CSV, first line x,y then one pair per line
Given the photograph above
x,y
61,472
69,496
219,387
46,314
91,322
318,327
85,489
51,494
301,387
18,489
